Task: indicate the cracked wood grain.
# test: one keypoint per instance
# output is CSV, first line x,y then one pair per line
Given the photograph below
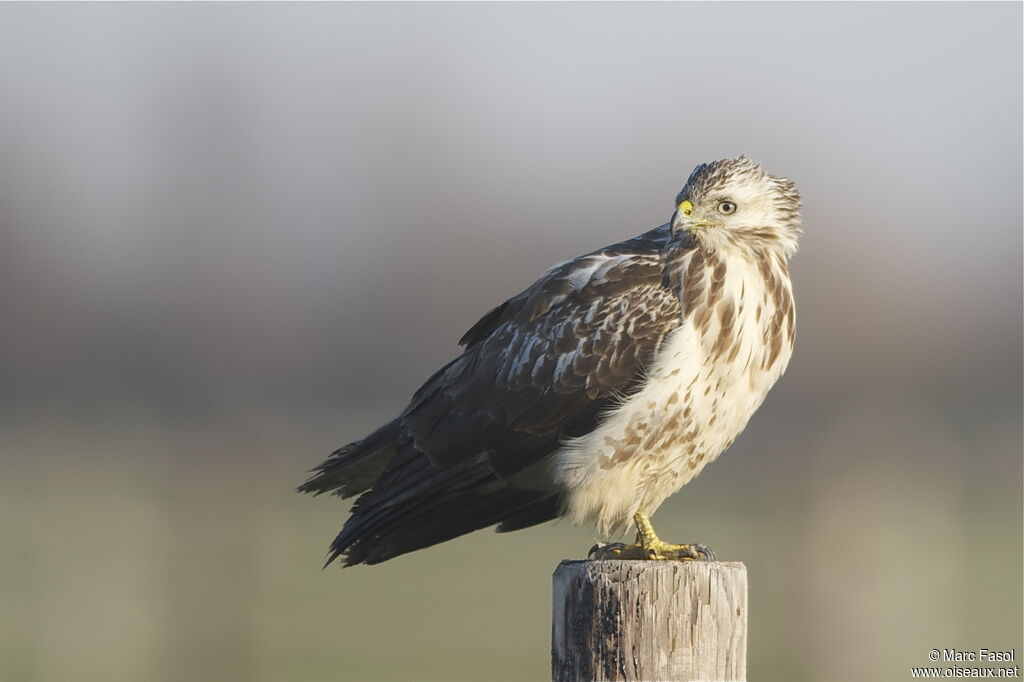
x,y
649,621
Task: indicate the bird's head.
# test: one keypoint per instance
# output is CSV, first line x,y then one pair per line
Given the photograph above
x,y
734,202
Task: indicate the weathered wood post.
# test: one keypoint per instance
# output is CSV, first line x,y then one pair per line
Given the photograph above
x,y
649,621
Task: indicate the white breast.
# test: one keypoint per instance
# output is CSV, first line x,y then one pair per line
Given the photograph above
x,y
706,381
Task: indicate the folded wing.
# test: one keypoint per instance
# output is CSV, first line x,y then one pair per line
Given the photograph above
x,y
471,448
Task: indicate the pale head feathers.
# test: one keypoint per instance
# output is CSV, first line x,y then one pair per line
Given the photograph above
x,y
734,202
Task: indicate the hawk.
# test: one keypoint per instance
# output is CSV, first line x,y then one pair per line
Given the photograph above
x,y
597,392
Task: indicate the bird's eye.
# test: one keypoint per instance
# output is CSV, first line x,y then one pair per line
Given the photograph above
x,y
726,207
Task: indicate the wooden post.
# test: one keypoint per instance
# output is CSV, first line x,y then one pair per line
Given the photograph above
x,y
650,621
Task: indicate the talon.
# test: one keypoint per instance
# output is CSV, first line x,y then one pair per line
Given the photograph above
x,y
606,550
618,551
709,554
650,547
684,552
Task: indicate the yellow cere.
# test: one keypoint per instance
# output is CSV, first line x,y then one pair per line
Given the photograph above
x,y
686,208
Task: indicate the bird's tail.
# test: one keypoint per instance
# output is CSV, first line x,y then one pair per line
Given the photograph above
x,y
354,468
423,506
408,502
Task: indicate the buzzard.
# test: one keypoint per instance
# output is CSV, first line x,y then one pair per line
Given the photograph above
x,y
597,392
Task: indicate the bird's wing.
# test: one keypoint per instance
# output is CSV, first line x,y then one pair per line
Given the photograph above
x,y
541,367
538,366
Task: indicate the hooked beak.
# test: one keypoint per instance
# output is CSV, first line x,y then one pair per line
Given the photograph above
x,y
685,220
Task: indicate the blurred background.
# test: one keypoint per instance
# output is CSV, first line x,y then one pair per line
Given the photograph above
x,y
235,237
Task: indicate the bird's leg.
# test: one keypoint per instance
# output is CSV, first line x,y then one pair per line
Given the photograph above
x,y
649,546
660,549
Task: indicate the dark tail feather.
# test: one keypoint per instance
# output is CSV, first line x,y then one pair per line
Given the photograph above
x,y
540,511
355,468
409,490
416,504
456,515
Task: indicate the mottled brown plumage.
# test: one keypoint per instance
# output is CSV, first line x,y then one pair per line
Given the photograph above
x,y
598,391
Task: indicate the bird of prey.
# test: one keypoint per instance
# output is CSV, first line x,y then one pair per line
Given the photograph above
x,y
597,392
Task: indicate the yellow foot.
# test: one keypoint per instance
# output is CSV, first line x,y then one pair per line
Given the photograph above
x,y
663,550
649,546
